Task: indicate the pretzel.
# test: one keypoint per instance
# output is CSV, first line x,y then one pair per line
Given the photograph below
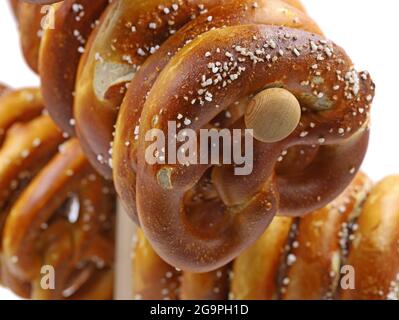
x,y
302,258
154,61
258,199
38,207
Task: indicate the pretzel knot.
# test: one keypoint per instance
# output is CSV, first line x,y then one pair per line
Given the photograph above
x,y
199,63
55,211
178,223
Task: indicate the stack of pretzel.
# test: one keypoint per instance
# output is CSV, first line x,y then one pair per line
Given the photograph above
x,y
347,250
113,70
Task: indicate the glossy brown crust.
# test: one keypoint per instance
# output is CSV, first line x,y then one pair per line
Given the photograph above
x,y
253,275
306,265
374,253
60,44
367,229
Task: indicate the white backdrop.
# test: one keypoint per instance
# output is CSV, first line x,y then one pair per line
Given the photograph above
x,y
367,29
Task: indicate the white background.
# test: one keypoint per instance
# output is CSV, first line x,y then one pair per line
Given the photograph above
x,y
367,29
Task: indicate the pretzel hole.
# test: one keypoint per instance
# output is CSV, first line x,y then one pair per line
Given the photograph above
x,y
204,208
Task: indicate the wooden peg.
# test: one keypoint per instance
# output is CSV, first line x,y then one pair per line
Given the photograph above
x,y
273,114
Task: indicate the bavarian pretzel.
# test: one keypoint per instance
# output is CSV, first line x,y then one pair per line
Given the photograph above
x,y
151,63
302,258
36,206
340,155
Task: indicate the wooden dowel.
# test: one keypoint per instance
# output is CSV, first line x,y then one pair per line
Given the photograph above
x,y
273,114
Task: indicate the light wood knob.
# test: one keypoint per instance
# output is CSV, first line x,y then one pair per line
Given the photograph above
x,y
273,114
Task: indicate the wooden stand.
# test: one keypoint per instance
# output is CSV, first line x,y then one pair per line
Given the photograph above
x,y
125,230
